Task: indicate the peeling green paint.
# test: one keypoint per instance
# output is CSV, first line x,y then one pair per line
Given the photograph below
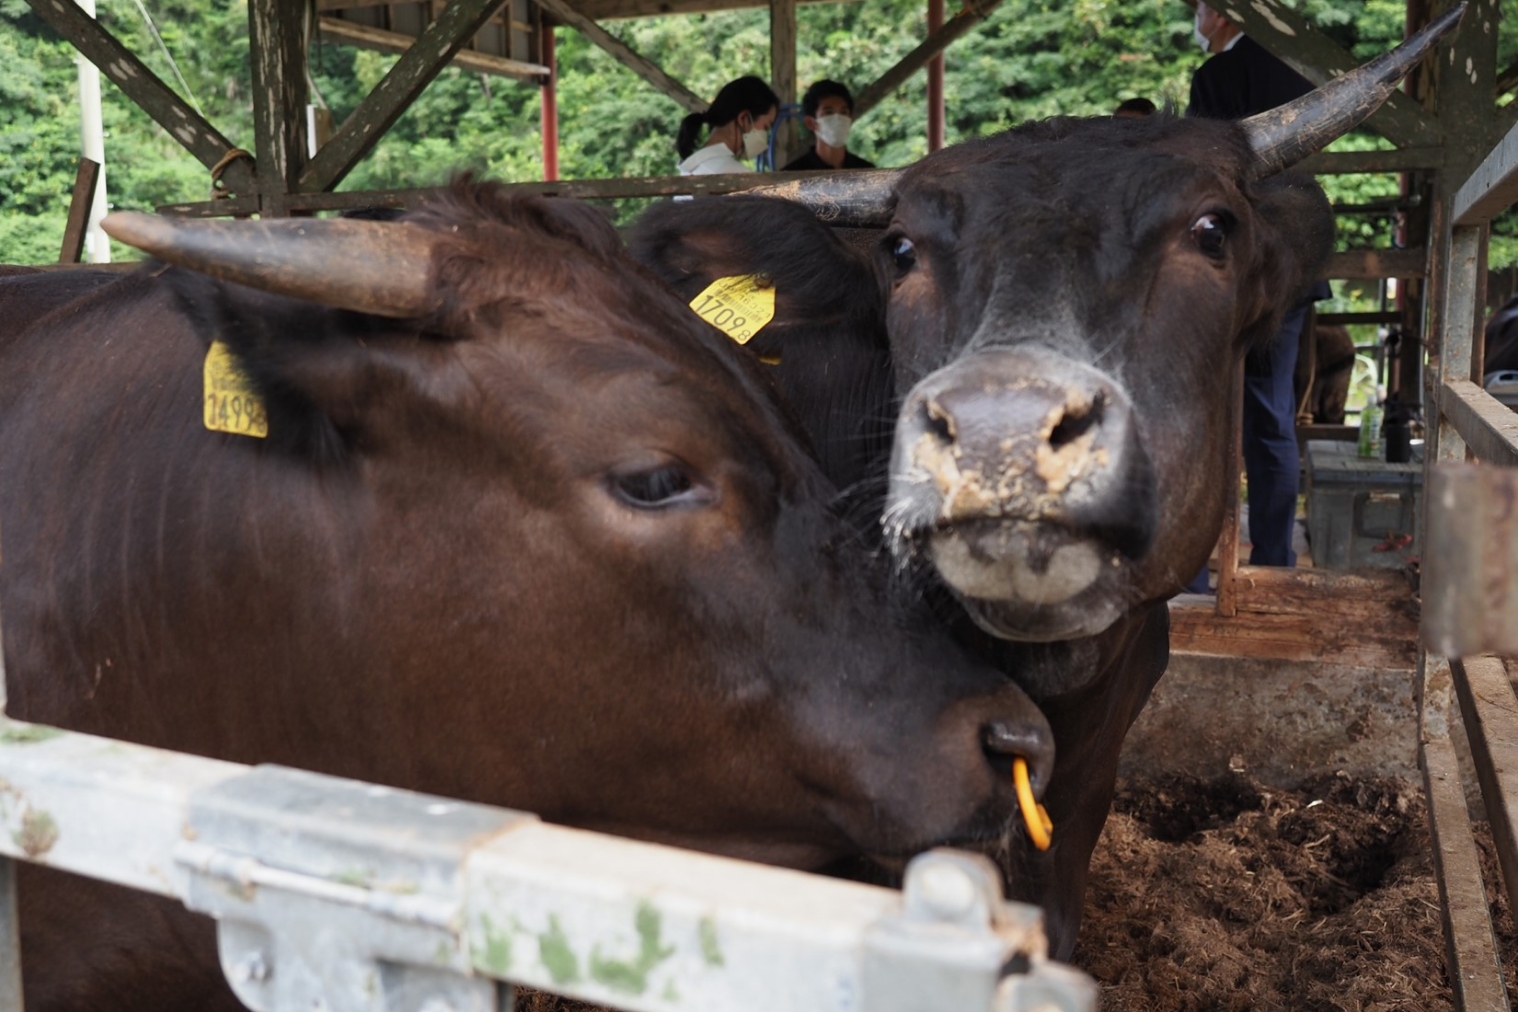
x,y
671,993
38,833
706,931
497,948
558,958
353,877
28,734
443,955
632,977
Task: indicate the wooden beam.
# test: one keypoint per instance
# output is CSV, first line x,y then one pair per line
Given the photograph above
x,y
394,42
1490,711
233,208
1365,618
1343,163
610,10
416,68
620,51
1492,188
970,15
783,74
1489,428
1378,263
83,199
277,54
1466,94
146,91
1475,973
1318,58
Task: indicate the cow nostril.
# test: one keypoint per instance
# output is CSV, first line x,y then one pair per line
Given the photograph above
x,y
938,422
1003,741
1077,422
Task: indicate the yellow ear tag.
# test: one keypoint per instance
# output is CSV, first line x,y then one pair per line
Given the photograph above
x,y
232,405
738,306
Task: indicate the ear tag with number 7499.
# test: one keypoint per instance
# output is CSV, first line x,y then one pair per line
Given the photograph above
x,y
738,306
231,403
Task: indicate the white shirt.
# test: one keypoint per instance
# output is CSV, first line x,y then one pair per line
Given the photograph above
x,y
712,160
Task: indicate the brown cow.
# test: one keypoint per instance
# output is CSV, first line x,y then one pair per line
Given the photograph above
x,y
523,531
1064,307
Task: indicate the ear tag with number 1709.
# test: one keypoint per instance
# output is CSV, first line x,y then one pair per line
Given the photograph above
x,y
738,306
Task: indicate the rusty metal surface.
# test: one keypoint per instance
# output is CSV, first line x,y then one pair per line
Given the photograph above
x,y
1470,571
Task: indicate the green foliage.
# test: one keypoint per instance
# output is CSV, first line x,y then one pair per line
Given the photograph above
x,y
1030,59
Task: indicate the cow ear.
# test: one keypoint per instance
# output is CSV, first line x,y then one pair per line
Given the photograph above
x,y
330,381
1296,226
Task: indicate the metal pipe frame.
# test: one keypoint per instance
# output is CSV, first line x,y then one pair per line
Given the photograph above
x,y
353,897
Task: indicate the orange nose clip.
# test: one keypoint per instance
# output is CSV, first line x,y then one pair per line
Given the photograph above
x,y
1040,826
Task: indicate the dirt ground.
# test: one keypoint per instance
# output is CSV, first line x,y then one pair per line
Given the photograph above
x,y
1224,894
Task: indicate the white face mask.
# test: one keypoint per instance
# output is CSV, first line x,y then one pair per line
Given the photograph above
x,y
1202,41
834,130
755,142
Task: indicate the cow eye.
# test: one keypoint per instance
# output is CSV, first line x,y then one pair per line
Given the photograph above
x,y
903,254
656,488
1209,232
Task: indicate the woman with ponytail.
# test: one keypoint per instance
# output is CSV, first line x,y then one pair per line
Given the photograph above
x,y
740,118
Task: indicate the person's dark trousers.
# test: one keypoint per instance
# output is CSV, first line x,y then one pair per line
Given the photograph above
x,y
1271,461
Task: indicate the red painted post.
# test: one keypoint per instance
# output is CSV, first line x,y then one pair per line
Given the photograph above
x,y
550,108
935,80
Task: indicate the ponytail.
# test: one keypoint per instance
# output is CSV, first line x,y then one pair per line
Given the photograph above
x,y
746,94
690,130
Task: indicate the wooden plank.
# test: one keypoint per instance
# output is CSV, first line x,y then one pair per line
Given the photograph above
x,y
1493,187
1470,565
1487,428
783,74
277,55
1318,58
620,51
609,10
1342,163
1228,542
970,15
232,208
1466,94
1359,617
394,42
416,68
1490,713
83,199
147,92
1475,973
1340,319
1378,263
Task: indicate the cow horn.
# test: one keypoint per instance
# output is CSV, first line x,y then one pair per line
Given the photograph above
x,y
369,266
858,199
1285,135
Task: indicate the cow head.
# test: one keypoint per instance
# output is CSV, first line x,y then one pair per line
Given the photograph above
x,y
1066,306
594,548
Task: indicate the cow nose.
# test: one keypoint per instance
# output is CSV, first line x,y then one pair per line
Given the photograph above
x,y
1006,740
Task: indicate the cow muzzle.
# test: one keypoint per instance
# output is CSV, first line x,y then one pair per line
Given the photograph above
x,y
1022,476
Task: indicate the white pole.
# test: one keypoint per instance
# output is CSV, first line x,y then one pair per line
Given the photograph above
x,y
97,244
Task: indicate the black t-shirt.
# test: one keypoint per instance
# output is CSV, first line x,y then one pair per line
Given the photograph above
x,y
1243,81
811,160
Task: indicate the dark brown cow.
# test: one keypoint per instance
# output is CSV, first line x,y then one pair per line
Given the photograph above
x,y
1065,306
523,531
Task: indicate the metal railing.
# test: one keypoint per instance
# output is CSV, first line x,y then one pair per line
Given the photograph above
x,y
350,897
1470,589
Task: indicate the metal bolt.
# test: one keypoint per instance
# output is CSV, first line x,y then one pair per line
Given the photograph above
x,y
946,890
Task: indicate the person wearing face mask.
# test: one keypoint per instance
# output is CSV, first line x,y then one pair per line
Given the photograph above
x,y
1240,78
740,118
828,109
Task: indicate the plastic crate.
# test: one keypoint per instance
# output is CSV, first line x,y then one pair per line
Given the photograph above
x,y
1360,512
